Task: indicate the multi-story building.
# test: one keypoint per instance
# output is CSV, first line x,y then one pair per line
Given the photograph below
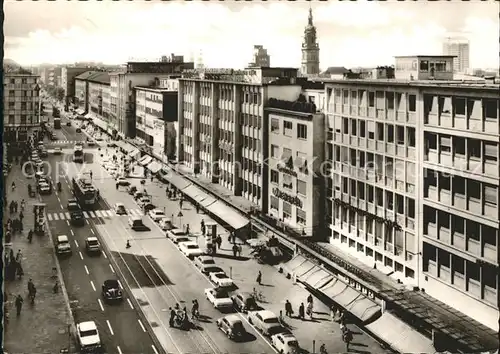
x,y
156,110
260,57
414,186
136,74
310,49
54,76
68,75
21,106
222,124
296,135
98,89
81,98
459,49
424,67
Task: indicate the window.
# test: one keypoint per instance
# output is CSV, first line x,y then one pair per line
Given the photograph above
x,y
12,92
23,118
362,129
390,133
459,105
410,208
301,131
411,137
345,97
400,135
473,189
424,65
490,109
301,217
11,119
412,103
275,203
459,145
371,99
287,182
287,128
354,127
345,126
275,177
301,187
380,131
474,147
445,143
275,125
490,152
275,151
287,210
490,194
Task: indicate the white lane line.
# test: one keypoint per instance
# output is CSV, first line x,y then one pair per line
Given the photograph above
x,y
87,220
76,243
93,286
142,326
92,231
104,254
61,215
67,222
130,304
119,350
72,233
81,255
56,217
100,304
110,329
86,270
67,215
154,349
111,267
92,214
120,284
49,216
85,215
98,213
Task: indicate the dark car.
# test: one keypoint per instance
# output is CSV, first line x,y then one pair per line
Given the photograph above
x,y
43,153
148,207
244,302
111,290
78,130
131,190
53,137
77,218
112,144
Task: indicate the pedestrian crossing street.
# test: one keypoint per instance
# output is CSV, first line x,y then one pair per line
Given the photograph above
x,y
93,214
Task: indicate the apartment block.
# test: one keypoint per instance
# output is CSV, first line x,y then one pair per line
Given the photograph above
x,y
68,75
99,104
222,124
414,189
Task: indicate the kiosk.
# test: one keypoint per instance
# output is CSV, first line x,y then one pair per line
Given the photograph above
x,y
39,214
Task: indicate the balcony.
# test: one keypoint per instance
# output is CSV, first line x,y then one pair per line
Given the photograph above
x,y
475,165
459,162
390,114
460,123
491,126
490,295
371,144
411,117
474,287
474,206
490,169
371,112
410,152
381,114
444,274
459,280
432,193
490,253
432,268
473,246
490,210
445,159
446,121
432,119
389,148
362,111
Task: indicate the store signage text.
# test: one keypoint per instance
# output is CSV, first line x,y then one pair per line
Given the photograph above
x,y
287,197
287,171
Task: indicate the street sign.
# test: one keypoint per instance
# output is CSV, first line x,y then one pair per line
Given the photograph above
x,y
180,215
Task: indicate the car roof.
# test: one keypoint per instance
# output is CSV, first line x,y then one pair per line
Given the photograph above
x,y
157,211
265,314
244,295
87,325
205,258
232,318
134,218
111,283
62,238
92,238
119,204
177,231
189,243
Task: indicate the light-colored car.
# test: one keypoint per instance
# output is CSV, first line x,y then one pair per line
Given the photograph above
x,y
231,326
120,209
172,234
88,337
265,321
221,280
144,200
244,302
219,298
62,245
285,343
57,150
165,223
203,262
92,245
190,249
156,214
122,181
44,188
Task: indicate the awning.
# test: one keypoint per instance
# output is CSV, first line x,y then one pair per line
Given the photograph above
x,y
193,192
121,145
205,200
294,263
88,116
145,160
80,111
133,152
317,278
400,336
154,167
228,215
353,301
179,182
100,124
304,268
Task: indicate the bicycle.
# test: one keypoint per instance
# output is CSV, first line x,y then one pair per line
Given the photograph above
x,y
257,295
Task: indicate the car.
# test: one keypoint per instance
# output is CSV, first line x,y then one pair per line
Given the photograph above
x,y
138,194
57,151
99,139
180,239
173,233
131,190
120,209
68,124
53,137
122,181
144,200
285,343
91,143
89,340
75,212
78,130
190,249
148,207
44,188
265,322
244,302
156,214
111,290
136,224
111,144
92,245
231,326
203,262
165,223
221,280
44,153
109,165
219,298
62,245
213,269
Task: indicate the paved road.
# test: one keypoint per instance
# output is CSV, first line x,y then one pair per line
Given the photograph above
x,y
119,325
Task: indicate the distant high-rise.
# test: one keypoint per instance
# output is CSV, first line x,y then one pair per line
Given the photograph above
x,y
260,57
459,47
310,49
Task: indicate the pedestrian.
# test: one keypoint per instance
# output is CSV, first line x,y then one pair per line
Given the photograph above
x,y
309,310
117,185
333,313
218,240
347,338
180,204
90,173
33,295
197,208
23,205
288,309
172,317
30,286
235,250
259,278
301,311
15,206
21,215
19,304
55,288
13,186
239,250
187,229
19,256
30,236
152,177
310,299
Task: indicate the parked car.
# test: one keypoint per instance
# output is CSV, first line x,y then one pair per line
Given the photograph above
x,y
190,249
285,343
138,194
62,245
213,269
165,223
132,190
57,150
44,188
88,337
78,130
173,233
265,322
203,262
122,181
92,245
221,280
68,123
111,290
136,224
244,302
120,209
219,298
144,200
232,326
156,214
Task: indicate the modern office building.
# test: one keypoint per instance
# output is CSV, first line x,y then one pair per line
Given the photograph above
x,y
21,106
99,103
68,75
310,49
296,135
54,76
414,188
222,125
459,49
424,67
260,57
81,98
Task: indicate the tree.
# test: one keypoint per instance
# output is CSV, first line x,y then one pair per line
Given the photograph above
x,y
59,93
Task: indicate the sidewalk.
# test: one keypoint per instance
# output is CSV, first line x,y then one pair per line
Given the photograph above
x,y
42,327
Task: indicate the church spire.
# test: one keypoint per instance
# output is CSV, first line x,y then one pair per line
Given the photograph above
x,y
310,20
310,48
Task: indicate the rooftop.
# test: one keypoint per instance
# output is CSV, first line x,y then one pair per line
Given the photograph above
x,y
155,89
85,75
250,76
101,77
425,56
296,108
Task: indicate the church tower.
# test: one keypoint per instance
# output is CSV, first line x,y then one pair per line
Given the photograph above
x,y
310,49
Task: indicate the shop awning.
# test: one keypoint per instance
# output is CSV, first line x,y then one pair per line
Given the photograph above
x,y
178,182
294,263
88,116
134,152
100,124
193,191
400,336
145,160
228,215
304,268
80,111
316,278
353,301
154,167
205,200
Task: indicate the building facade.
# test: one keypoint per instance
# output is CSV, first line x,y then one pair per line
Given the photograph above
x,y
260,57
222,125
424,67
68,75
296,149
414,185
81,98
54,78
21,106
459,49
99,100
310,49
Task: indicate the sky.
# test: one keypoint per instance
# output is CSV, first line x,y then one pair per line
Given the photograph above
x,y
350,34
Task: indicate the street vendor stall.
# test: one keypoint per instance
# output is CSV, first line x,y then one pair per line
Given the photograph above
x,y
39,214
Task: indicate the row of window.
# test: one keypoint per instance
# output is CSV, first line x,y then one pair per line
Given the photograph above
x,y
458,145
251,165
227,94
252,189
23,119
378,99
288,128
24,105
461,106
23,93
287,211
288,182
23,81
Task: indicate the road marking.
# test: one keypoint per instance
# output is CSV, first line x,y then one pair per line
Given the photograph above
x,y
87,220
142,326
81,255
92,231
93,286
109,326
104,254
85,214
100,305
61,215
119,350
86,270
67,215
130,304
92,214
49,216
154,349
98,214
110,266
67,222
56,217
120,284
72,233
76,243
